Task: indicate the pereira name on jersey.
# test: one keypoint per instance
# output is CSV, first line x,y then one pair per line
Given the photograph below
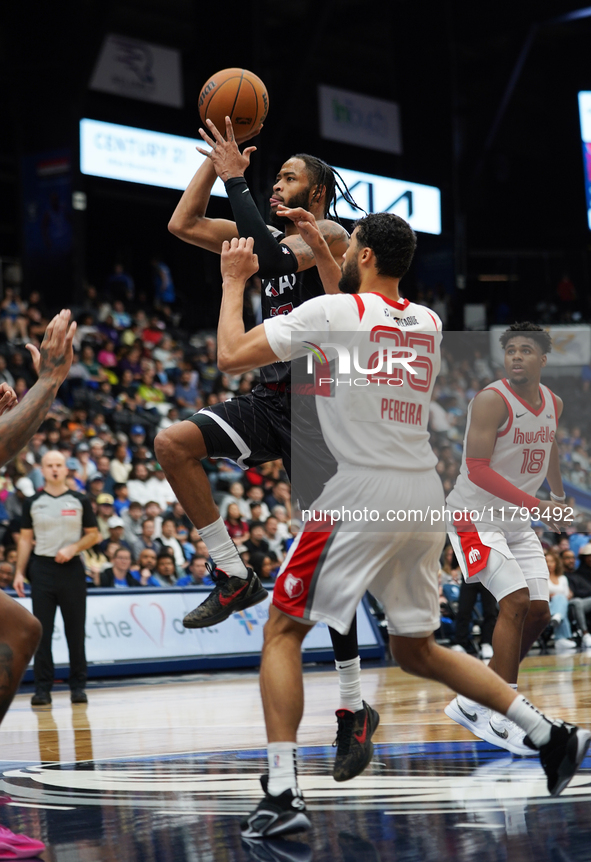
x,y
521,453
374,414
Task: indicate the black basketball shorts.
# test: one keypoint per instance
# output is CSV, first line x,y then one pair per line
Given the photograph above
x,y
255,428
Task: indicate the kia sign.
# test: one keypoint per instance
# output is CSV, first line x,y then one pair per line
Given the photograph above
x,y
170,161
360,120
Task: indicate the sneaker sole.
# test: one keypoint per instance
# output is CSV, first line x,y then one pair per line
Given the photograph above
x,y
370,750
222,615
583,742
515,748
453,711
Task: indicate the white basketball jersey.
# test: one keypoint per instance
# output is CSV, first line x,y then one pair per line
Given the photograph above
x,y
376,415
521,453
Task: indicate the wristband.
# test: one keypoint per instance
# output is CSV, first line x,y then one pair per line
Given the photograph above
x,y
556,498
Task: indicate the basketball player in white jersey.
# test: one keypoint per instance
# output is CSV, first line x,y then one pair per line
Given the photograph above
x,y
384,462
509,450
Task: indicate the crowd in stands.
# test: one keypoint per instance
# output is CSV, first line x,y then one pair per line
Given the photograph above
x,y
135,373
132,375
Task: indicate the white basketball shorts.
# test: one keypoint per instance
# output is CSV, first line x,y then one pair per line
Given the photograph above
x,y
329,567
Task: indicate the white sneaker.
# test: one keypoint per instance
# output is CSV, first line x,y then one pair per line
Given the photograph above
x,y
457,648
506,734
564,644
474,717
486,651
586,644
555,620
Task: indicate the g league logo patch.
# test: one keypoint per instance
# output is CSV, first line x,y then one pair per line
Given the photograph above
x,y
293,586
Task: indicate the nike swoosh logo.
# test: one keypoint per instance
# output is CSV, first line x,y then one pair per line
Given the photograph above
x,y
225,600
502,734
519,415
471,716
360,737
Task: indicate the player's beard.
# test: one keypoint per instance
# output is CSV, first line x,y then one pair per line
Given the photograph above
x,y
350,280
300,200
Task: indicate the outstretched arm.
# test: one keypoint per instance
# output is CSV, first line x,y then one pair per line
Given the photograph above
x,y
52,364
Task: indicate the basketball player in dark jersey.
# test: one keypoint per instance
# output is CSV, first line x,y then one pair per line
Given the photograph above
x,y
255,428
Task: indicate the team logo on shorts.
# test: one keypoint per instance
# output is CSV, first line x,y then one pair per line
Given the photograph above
x,y
293,586
473,556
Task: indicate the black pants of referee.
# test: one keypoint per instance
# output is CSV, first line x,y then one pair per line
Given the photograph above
x,y
60,585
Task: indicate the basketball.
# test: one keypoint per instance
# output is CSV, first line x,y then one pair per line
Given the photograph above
x,y
235,93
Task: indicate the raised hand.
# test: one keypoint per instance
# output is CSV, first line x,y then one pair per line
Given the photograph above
x,y
54,358
224,155
238,260
305,222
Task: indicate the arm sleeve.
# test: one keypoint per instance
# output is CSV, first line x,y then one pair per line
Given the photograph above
x,y
26,520
274,258
88,516
282,331
482,475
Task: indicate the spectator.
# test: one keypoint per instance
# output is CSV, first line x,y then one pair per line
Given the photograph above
x,y
580,585
235,495
164,292
6,576
132,522
560,593
274,541
186,395
160,488
145,541
146,566
118,574
138,487
197,573
265,565
165,570
254,495
116,527
120,466
105,511
121,494
257,543
569,561
236,526
169,540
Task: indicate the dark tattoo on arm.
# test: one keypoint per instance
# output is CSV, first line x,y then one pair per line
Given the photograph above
x,y
18,426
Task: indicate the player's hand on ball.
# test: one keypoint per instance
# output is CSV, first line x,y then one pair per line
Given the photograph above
x,y
239,261
305,222
224,155
8,398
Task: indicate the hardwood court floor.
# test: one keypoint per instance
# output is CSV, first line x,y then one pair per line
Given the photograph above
x,y
163,768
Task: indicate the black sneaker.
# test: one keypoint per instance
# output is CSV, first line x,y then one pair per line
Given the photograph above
x,y
78,695
276,815
228,596
353,742
563,754
41,698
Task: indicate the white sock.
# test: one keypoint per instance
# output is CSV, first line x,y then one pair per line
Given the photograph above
x,y
531,720
222,549
350,684
281,757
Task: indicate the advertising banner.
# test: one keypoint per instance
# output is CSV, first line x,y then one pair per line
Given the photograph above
x,y
139,70
361,120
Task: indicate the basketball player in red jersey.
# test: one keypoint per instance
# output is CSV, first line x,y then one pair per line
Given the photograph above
x,y
255,428
384,457
509,450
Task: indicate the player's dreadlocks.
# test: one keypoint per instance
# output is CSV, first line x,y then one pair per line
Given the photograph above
x,y
323,176
528,330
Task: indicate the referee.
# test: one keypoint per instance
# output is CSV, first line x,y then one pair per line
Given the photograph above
x,y
61,524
